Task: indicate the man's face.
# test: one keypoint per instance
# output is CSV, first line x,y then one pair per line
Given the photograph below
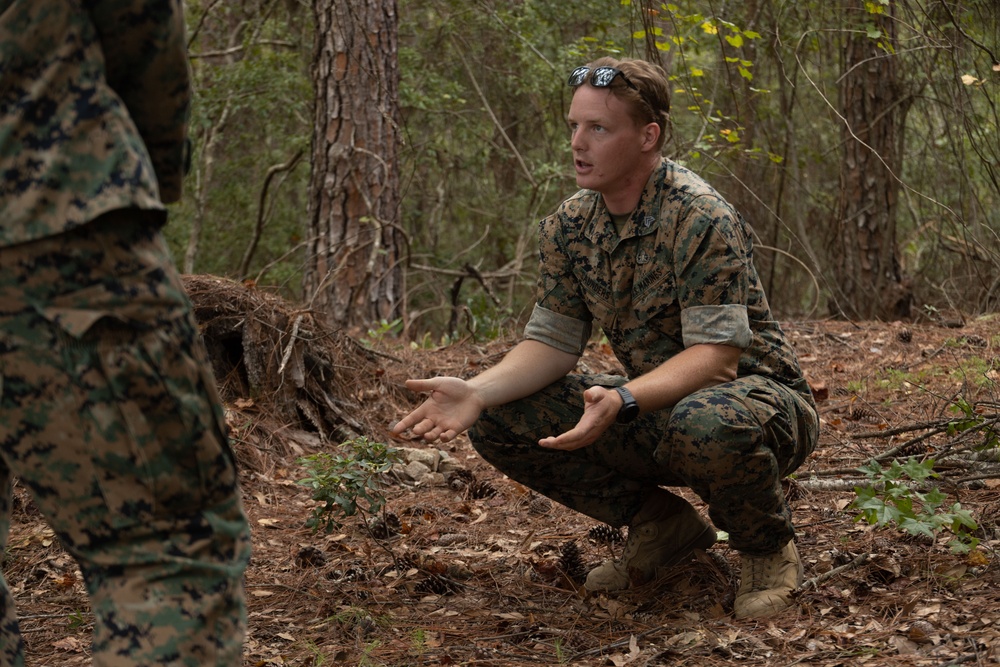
x,y
607,144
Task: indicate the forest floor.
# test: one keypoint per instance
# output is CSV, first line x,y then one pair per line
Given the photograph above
x,y
471,568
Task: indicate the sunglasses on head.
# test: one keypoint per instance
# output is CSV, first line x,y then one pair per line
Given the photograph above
x,y
602,77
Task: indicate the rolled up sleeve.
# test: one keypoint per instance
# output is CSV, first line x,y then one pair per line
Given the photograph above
x,y
717,325
564,333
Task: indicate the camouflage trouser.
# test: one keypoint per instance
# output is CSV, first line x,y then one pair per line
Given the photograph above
x,y
110,417
731,444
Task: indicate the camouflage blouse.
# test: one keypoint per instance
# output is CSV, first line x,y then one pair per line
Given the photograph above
x,y
94,98
679,273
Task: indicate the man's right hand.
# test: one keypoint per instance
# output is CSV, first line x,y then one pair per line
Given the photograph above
x,y
452,407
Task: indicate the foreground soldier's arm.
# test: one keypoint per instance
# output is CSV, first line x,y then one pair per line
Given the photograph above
x,y
146,61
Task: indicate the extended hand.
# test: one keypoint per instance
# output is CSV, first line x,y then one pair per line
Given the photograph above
x,y
600,409
452,407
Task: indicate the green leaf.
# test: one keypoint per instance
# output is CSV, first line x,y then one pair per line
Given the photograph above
x,y
962,518
959,547
934,498
871,470
745,73
879,512
919,470
736,41
914,527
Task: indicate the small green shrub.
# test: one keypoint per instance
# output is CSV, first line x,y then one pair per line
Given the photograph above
x,y
341,480
972,419
891,498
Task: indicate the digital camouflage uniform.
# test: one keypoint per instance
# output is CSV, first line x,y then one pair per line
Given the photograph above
x,y
679,273
109,415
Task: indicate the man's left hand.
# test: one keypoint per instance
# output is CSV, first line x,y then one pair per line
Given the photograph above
x,y
600,410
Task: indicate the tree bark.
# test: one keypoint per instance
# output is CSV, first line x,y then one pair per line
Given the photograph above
x,y
353,277
868,276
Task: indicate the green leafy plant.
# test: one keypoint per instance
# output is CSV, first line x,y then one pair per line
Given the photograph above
x,y
385,329
318,656
560,651
366,657
892,498
972,419
418,642
347,482
77,620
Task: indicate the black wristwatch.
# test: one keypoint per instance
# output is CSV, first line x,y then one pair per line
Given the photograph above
x,y
630,409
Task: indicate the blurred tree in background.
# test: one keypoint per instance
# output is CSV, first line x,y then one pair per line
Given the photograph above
x,y
859,138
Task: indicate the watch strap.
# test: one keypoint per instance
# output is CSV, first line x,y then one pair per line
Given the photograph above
x,y
629,409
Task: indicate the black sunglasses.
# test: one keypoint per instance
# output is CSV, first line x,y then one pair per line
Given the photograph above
x,y
602,77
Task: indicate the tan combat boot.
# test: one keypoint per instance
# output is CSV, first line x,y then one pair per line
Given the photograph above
x,y
664,532
767,583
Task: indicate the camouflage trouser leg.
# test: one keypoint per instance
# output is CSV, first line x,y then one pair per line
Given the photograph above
x,y
731,444
11,644
110,417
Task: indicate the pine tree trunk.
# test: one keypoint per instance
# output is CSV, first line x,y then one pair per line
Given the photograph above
x,y
353,277
866,258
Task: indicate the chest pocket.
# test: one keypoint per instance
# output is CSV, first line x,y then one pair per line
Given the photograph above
x,y
654,285
594,278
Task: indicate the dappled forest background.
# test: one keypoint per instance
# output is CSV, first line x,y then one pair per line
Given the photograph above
x,y
860,139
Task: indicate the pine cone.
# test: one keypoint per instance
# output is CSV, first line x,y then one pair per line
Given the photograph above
x,y
436,585
461,479
912,449
481,489
386,526
973,340
905,336
605,534
539,505
310,557
571,563
863,413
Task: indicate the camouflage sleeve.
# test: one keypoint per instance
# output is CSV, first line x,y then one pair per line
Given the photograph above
x,y
146,61
566,334
713,274
558,290
718,325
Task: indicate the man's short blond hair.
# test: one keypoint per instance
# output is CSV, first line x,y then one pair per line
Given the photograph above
x,y
649,101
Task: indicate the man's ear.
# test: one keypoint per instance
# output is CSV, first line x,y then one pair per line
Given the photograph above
x,y
650,136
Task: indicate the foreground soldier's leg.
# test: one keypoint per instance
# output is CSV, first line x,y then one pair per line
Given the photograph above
x,y
110,416
11,644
